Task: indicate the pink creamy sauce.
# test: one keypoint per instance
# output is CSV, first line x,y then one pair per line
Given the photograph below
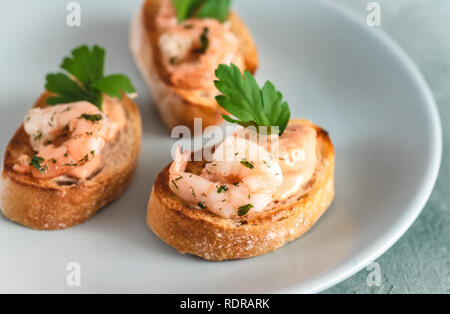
x,y
297,153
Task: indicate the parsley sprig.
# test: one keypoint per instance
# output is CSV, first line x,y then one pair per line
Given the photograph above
x,y
87,81
216,9
250,104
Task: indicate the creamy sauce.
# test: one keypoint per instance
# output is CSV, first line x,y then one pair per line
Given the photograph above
x,y
297,152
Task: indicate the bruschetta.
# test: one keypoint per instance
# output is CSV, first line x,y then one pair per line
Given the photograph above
x,y
77,148
238,205
177,45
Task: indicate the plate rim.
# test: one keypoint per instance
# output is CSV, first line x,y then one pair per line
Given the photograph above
x,y
381,245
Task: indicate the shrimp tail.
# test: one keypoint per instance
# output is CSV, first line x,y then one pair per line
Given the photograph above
x,y
180,161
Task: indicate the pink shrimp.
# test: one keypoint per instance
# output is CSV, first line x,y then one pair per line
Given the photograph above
x,y
296,152
69,138
193,50
239,181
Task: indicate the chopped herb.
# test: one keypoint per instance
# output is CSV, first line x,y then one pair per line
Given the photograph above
x,y
53,161
52,119
38,136
92,152
236,183
222,188
85,158
204,40
175,185
172,60
92,117
201,205
36,162
179,178
47,143
188,26
66,127
89,133
248,164
74,164
193,193
66,154
243,210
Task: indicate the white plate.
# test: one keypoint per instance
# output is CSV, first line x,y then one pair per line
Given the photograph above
x,y
336,71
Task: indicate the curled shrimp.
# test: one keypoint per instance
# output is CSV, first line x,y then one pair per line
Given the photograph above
x,y
295,151
240,179
193,50
68,139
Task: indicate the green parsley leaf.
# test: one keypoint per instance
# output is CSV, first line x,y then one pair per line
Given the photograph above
x,y
251,105
243,210
67,90
216,9
185,8
86,67
114,84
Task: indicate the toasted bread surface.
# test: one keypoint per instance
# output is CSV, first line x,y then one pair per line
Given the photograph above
x,y
47,204
198,232
179,106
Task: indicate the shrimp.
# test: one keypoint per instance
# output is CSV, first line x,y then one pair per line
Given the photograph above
x,y
193,50
296,153
68,139
166,17
240,179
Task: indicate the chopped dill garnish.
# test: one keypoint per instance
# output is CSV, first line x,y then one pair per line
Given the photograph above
x,y
222,188
243,210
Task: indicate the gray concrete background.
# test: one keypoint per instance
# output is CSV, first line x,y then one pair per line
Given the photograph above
x,y
420,261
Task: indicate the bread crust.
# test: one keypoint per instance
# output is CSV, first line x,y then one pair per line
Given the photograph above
x,y
47,205
178,106
198,232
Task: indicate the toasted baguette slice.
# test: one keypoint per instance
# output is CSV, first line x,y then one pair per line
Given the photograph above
x,y
179,106
48,205
198,232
